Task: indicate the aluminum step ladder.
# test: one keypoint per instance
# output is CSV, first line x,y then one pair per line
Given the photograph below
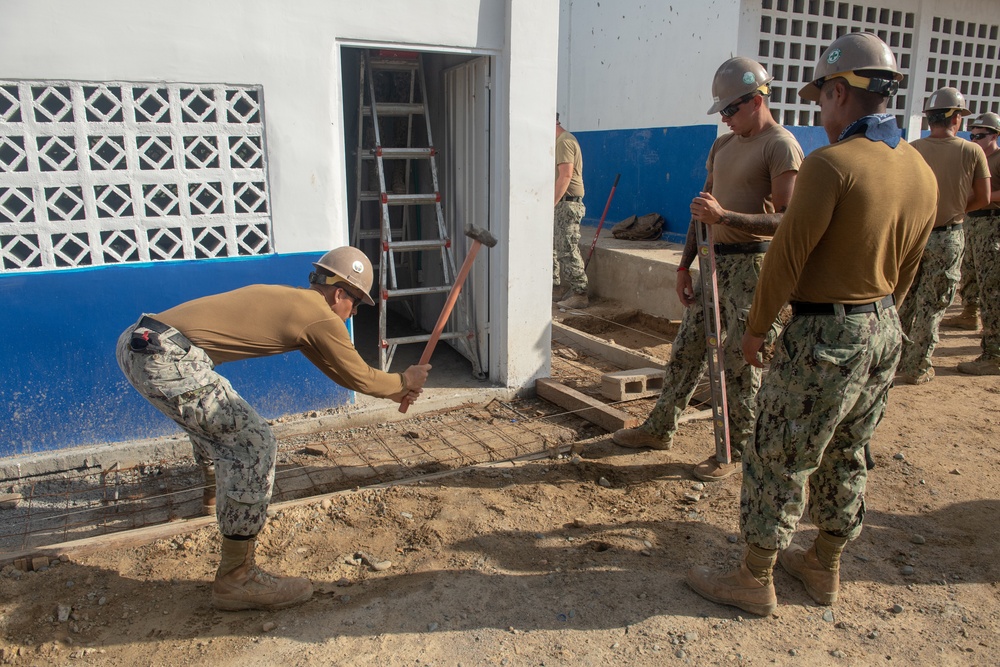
x,y
713,339
404,256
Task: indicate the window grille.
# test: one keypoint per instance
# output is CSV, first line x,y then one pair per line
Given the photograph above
x,y
105,173
963,55
793,34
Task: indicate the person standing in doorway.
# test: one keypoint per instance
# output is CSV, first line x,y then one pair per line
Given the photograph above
x,y
567,260
963,180
751,174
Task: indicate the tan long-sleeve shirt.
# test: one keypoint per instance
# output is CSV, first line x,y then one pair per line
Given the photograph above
x,y
265,320
854,230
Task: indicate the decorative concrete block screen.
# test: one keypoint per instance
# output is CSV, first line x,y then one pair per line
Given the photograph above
x,y
107,173
963,54
793,34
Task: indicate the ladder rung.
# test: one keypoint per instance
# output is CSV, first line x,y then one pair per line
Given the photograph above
x,y
421,338
400,200
400,153
395,109
417,291
425,244
377,233
393,64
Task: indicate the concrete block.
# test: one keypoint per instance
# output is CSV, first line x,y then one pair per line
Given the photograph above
x,y
628,385
9,501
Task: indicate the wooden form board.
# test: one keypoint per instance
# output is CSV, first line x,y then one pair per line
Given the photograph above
x,y
591,409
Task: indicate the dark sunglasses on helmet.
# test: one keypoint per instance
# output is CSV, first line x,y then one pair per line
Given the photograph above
x,y
976,136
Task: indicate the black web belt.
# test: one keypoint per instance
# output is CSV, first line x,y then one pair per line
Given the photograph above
x,y
741,248
804,308
948,228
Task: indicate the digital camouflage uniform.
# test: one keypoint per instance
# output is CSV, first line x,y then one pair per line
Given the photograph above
x,y
986,244
968,286
737,278
223,427
821,365
566,258
930,295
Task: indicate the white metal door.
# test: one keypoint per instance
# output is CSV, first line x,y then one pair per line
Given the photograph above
x,y
466,148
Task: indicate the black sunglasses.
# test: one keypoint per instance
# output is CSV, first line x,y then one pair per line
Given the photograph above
x,y
731,110
981,135
355,299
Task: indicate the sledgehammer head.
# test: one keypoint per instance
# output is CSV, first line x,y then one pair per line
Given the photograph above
x,y
481,235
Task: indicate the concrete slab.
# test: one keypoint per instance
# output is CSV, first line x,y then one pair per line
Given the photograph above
x,y
641,275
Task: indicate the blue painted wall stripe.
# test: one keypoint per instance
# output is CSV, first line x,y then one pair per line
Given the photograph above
x,y
61,385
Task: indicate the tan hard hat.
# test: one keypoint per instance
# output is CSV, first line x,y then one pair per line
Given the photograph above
x,y
944,99
850,53
349,264
735,78
988,120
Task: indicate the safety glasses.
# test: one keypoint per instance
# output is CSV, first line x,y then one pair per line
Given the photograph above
x,y
977,136
731,110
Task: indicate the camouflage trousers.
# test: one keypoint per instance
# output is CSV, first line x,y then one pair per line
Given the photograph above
x,y
984,242
566,258
736,276
931,293
823,396
968,287
224,429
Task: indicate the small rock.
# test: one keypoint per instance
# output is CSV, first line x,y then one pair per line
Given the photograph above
x,y
646,552
604,482
102,601
828,616
690,637
538,536
647,544
680,653
406,515
62,612
873,634
906,570
268,626
733,539
899,456
326,504
698,486
897,609
837,653
579,523
692,497
575,459
918,539
956,471
431,627
69,584
792,652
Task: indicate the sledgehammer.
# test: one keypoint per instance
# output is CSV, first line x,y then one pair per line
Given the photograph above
x,y
480,237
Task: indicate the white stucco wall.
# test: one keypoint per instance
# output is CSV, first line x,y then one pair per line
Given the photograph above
x,y
640,63
291,49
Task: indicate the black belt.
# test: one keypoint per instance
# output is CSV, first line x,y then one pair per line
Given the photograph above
x,y
803,308
159,327
741,248
948,228
984,213
570,198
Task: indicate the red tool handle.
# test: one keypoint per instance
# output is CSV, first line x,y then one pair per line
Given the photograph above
x,y
599,226
449,304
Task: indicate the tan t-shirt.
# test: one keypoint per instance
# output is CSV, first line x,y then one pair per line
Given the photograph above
x,y
742,170
993,160
956,163
264,320
568,151
850,234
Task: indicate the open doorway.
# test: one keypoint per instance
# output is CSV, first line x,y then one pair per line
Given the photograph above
x,y
418,168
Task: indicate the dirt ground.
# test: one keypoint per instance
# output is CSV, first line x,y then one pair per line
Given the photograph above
x,y
577,560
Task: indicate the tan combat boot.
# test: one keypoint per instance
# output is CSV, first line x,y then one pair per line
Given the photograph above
x,y
637,438
710,470
968,319
818,568
983,365
240,584
208,491
749,587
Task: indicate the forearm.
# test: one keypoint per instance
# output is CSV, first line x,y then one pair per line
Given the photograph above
x,y
562,185
690,246
758,224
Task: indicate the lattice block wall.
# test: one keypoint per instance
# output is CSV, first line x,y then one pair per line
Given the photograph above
x,y
106,173
963,54
793,34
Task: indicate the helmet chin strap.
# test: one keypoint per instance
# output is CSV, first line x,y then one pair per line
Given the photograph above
x,y
316,278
